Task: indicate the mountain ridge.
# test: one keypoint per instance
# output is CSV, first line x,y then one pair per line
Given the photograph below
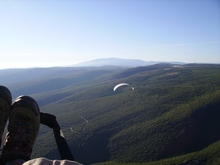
x,y
121,62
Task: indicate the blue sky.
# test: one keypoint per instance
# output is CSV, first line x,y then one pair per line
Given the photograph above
x,y
43,33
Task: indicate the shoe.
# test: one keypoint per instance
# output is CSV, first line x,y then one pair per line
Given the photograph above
x,y
24,122
5,105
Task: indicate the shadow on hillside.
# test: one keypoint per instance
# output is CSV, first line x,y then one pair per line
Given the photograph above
x,y
202,129
101,152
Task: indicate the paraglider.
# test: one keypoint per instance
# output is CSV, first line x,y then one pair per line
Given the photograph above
x,y
122,84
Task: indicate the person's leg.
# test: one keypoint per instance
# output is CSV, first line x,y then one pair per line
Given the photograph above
x,y
24,122
5,105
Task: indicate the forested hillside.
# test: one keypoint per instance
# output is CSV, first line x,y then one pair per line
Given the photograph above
x,y
171,117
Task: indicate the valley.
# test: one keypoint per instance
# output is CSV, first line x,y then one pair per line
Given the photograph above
x,y
171,117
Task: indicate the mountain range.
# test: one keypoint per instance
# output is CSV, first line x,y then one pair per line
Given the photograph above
x,y
171,117
121,62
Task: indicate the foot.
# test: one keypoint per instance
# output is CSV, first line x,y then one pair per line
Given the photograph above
x,y
24,122
5,105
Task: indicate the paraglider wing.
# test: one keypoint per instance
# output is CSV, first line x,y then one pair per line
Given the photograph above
x,y
121,84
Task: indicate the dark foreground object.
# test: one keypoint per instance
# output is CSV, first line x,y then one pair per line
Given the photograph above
x,y
50,121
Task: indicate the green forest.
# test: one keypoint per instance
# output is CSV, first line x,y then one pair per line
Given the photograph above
x,y
171,117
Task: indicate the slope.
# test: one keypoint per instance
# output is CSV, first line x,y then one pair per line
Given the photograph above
x,y
163,117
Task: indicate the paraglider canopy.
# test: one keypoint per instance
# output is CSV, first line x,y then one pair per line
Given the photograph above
x,y
122,84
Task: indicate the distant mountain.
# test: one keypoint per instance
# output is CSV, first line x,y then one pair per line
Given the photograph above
x,y
116,62
121,62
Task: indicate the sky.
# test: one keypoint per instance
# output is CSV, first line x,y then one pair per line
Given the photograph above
x,y
45,33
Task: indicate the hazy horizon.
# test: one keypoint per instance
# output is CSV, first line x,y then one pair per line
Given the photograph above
x,y
63,33
80,64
